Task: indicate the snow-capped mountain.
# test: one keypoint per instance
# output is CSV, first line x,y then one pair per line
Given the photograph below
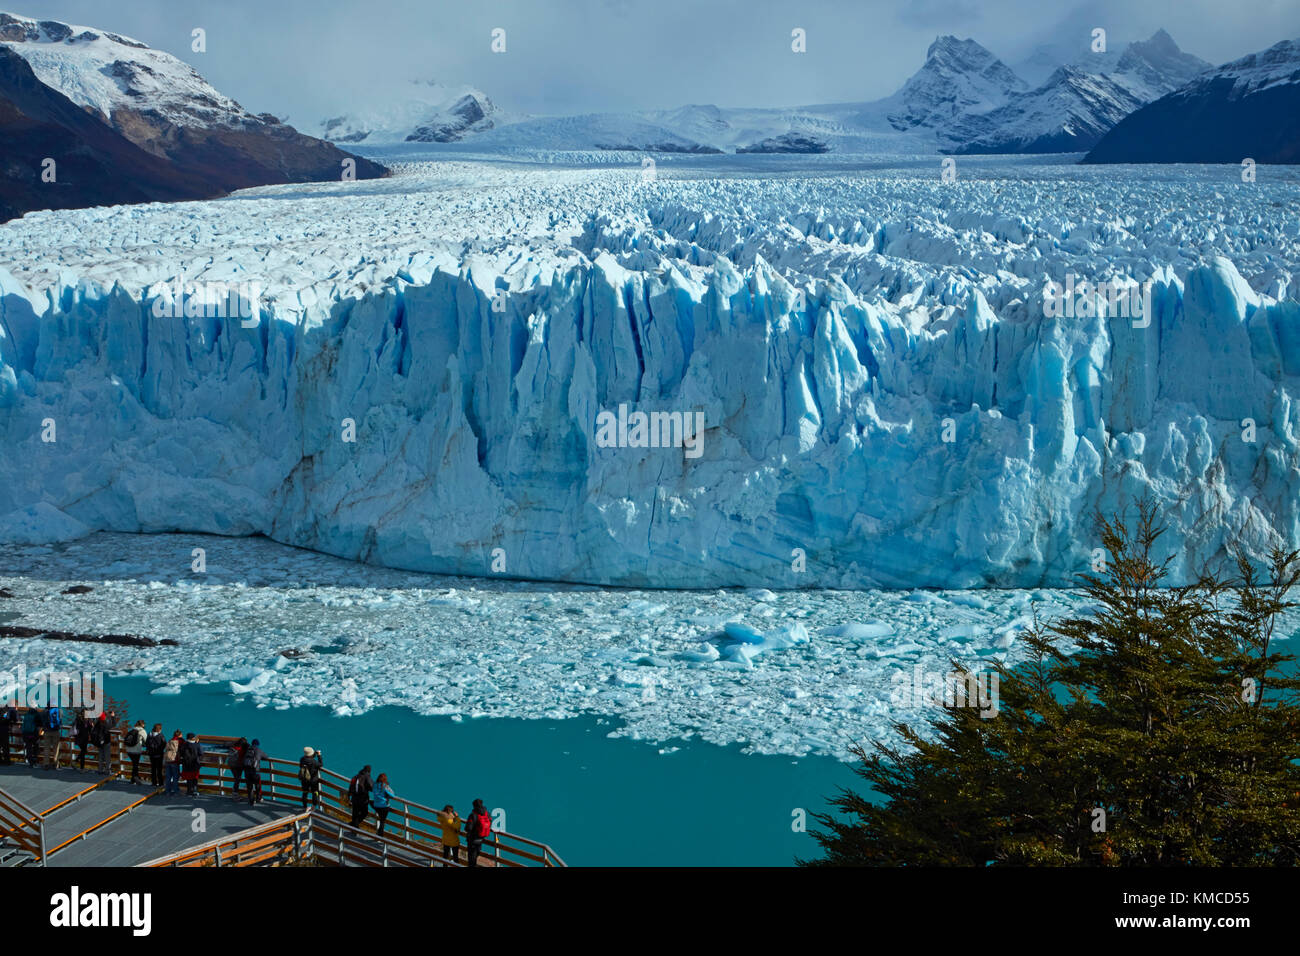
x,y
159,104
1246,109
1151,68
1078,103
111,74
1068,113
421,111
958,77
95,165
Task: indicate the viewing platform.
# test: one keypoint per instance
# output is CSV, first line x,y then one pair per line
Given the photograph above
x,y
63,816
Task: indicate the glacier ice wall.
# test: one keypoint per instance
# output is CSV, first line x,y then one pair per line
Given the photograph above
x,y
475,393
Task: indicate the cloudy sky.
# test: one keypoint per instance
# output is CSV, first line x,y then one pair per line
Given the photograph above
x,y
313,58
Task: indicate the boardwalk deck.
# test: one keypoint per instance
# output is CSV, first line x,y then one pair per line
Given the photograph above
x,y
153,825
165,824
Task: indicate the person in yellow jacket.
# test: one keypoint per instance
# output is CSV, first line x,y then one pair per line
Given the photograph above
x,y
450,822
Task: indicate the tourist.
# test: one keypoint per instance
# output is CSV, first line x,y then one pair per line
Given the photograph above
x,y
381,798
31,727
359,794
53,735
172,763
81,727
135,741
450,822
309,768
8,717
155,744
101,735
253,771
191,761
235,761
477,829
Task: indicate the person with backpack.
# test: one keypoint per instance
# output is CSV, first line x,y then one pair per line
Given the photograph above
x,y
135,738
32,727
172,763
253,771
53,735
359,795
8,717
101,735
450,822
191,761
235,761
309,768
381,798
477,829
155,745
81,726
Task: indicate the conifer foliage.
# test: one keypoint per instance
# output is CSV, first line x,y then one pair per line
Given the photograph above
x,y
1160,728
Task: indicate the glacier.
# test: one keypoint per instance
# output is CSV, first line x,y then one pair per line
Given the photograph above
x,y
833,326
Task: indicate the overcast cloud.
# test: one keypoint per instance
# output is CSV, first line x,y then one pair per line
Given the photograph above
x,y
313,58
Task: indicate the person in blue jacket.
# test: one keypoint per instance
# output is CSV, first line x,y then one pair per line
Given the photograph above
x,y
381,798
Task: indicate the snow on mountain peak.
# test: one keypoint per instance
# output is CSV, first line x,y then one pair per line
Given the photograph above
x,y
1279,64
107,72
419,111
958,77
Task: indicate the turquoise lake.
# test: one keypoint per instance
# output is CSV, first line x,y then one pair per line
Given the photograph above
x,y
596,800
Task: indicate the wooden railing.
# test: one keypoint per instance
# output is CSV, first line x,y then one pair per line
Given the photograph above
x,y
22,826
410,824
280,841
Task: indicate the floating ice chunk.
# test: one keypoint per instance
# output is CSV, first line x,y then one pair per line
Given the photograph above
x,y
259,681
743,633
924,597
701,652
963,632
896,650
864,631
969,600
762,594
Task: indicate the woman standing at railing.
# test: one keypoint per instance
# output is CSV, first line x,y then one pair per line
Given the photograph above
x,y
81,725
309,768
450,822
381,798
155,744
172,762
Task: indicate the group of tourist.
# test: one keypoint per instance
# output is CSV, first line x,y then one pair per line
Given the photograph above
x,y
178,759
365,793
42,731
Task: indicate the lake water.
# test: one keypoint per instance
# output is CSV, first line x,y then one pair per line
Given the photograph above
x,y
595,800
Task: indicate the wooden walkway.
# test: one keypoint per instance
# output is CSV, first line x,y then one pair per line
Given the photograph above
x,y
67,817
93,820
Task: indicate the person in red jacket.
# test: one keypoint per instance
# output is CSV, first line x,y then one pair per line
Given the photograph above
x,y
477,829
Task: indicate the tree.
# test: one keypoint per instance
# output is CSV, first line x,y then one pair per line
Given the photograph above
x,y
1157,729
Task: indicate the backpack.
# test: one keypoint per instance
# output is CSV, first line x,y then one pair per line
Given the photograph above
x,y
53,720
133,737
99,733
483,826
189,755
155,745
355,789
252,758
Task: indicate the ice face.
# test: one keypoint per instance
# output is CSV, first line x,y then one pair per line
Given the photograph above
x,y
886,402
